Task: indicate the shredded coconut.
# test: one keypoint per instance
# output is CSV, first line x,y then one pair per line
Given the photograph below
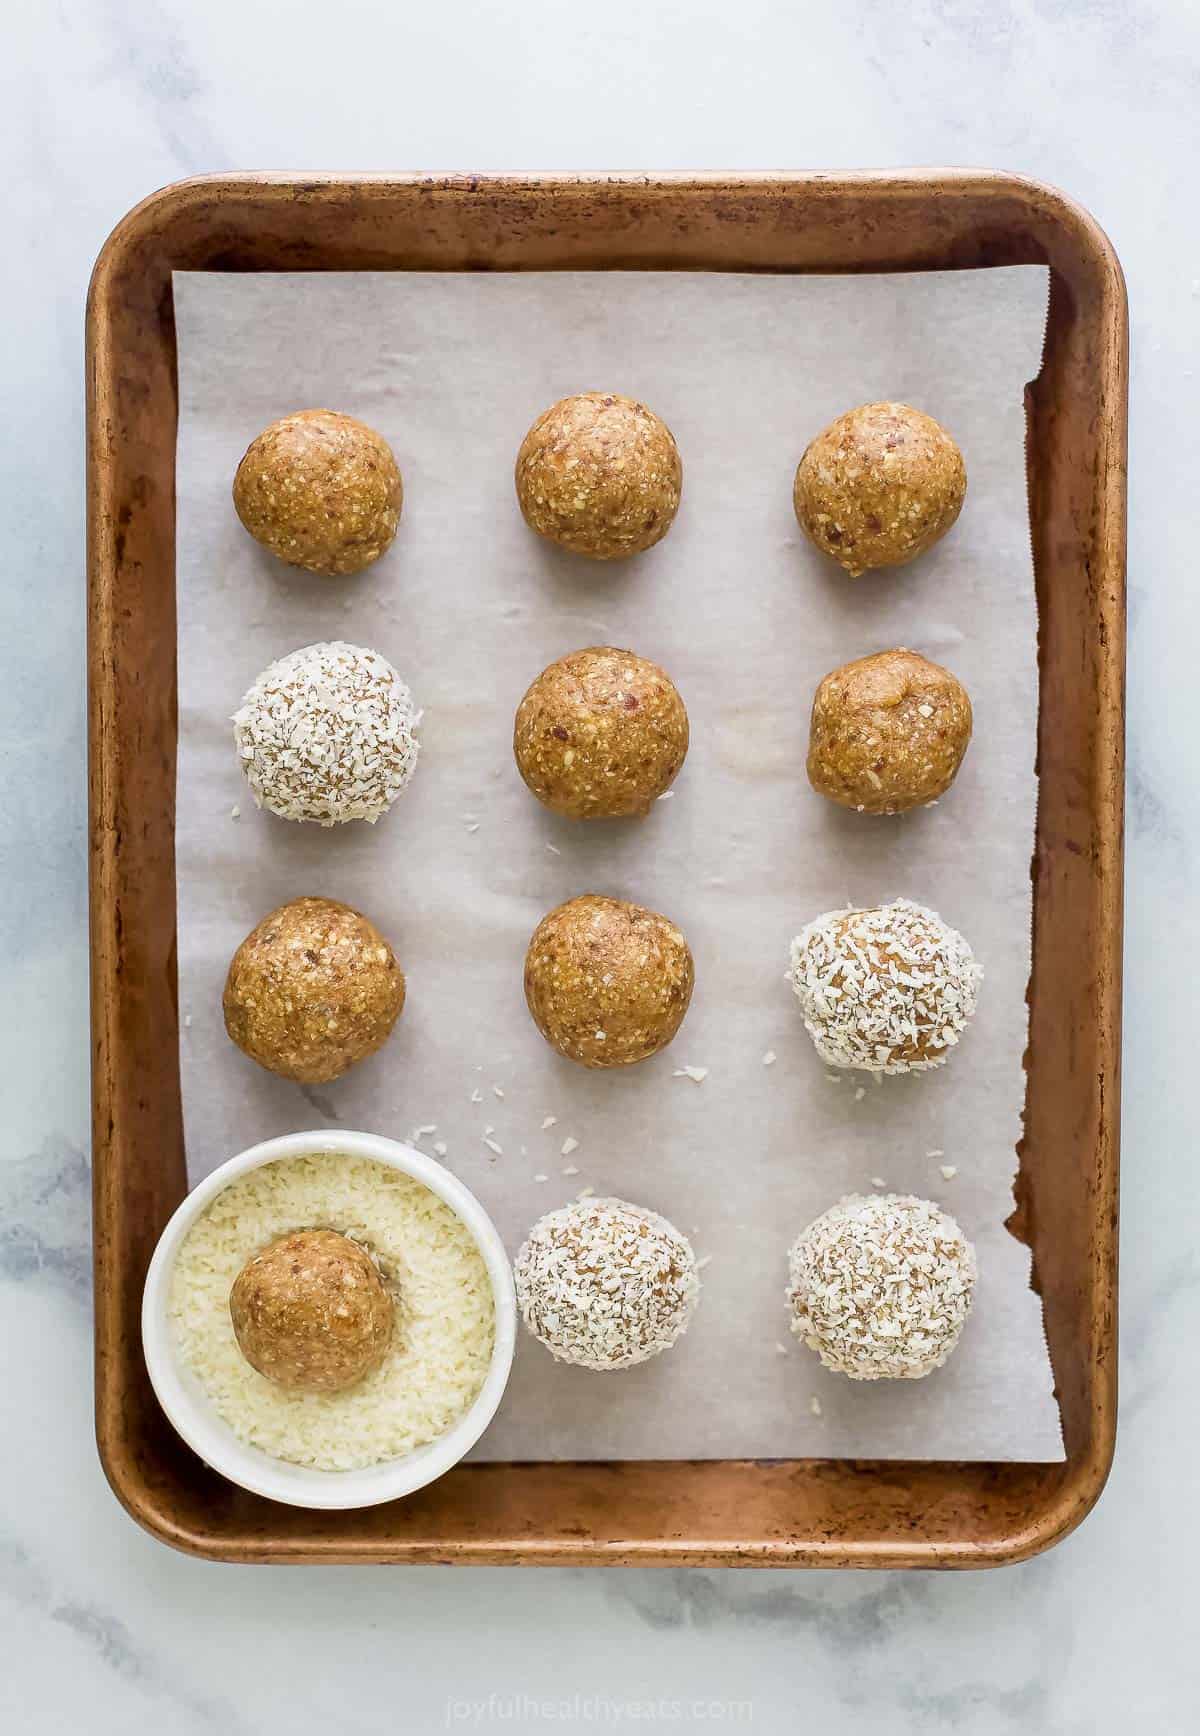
x,y
697,1075
769,1058
887,990
881,1285
327,734
568,1146
605,1284
441,1345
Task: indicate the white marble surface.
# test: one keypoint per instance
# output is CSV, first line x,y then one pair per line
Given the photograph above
x,y
104,100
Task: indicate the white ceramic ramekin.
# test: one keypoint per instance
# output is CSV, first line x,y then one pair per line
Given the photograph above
x,y
188,1407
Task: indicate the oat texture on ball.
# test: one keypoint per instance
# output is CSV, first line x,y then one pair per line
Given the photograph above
x,y
607,983
888,732
311,1312
312,991
605,1284
881,1286
600,734
879,486
327,734
599,474
320,490
885,990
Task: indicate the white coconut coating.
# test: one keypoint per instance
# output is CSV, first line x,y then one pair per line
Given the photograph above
x,y
886,990
327,734
605,1284
881,1285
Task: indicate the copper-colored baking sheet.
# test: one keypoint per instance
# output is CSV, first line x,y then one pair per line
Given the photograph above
x,y
817,1512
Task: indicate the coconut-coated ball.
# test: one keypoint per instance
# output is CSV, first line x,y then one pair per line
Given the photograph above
x,y
321,491
605,1284
313,990
885,990
600,475
601,733
607,982
881,1286
311,1312
879,486
327,734
888,732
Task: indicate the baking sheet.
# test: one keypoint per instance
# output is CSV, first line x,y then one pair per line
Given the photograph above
x,y
746,617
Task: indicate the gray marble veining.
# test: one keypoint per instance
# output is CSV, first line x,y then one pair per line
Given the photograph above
x,y
104,101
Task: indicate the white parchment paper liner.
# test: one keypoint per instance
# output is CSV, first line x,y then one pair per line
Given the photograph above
x,y
747,618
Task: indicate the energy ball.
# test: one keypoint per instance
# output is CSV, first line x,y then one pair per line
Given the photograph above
x,y
886,990
600,475
888,732
881,1285
607,983
311,1312
879,486
601,733
327,734
321,491
604,1284
313,990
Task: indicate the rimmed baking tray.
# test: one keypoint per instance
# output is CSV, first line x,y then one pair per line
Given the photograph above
x,y
814,1512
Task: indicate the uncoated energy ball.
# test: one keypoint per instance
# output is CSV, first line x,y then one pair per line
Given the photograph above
x,y
321,491
600,733
879,486
888,732
607,983
881,1285
313,990
600,475
311,1312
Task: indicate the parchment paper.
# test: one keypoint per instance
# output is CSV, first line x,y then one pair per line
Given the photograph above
x,y
469,605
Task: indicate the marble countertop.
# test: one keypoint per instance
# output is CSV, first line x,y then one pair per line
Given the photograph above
x,y
106,1629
